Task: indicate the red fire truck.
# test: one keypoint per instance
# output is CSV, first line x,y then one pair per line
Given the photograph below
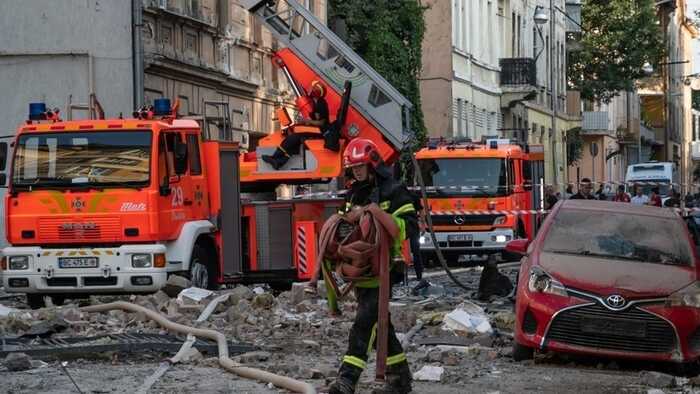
x,y
480,195
117,205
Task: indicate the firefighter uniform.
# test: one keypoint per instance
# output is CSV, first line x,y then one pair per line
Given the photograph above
x,y
393,198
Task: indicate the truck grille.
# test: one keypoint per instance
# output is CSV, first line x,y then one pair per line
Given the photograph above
x,y
464,220
83,229
631,330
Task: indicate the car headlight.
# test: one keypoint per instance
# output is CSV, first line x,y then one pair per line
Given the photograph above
x,y
500,238
141,260
541,282
687,296
19,262
423,239
500,220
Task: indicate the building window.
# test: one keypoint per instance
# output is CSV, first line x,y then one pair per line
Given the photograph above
x,y
193,154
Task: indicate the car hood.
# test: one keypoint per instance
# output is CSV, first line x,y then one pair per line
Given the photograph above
x,y
605,276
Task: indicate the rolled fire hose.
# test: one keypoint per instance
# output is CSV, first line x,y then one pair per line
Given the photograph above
x,y
224,360
429,220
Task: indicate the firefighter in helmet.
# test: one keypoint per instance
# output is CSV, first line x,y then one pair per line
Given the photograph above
x,y
373,187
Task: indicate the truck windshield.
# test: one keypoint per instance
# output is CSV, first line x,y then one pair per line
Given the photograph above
x,y
648,184
487,176
94,158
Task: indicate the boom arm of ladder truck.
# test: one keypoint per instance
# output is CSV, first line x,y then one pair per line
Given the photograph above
x,y
312,52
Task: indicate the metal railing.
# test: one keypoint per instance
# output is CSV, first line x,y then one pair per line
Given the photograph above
x,y
518,71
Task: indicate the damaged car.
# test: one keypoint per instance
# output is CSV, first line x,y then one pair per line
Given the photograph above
x,y
609,279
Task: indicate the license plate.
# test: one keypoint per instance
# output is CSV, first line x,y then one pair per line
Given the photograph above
x,y
459,237
77,262
617,327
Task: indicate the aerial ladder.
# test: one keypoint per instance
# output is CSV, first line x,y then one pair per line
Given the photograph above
x,y
365,105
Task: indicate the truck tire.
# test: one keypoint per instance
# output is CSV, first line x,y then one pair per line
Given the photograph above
x,y
522,353
35,301
202,270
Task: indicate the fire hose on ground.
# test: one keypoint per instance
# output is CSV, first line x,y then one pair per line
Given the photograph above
x,y
224,360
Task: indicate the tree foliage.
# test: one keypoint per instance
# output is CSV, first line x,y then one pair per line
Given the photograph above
x,y
574,146
619,37
388,34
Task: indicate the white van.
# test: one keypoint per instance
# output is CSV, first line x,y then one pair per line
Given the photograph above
x,y
662,173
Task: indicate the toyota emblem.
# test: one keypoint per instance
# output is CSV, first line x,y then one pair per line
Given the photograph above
x,y
459,220
616,301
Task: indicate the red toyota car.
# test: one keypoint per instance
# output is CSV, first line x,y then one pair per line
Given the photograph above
x,y
609,279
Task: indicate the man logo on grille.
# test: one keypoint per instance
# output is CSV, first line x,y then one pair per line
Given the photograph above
x,y
459,220
615,301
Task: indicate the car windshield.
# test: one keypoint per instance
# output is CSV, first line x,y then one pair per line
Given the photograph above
x,y
619,236
95,158
486,176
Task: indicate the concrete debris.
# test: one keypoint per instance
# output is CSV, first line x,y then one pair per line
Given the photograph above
x,y
298,294
17,362
193,294
429,373
504,320
5,311
656,379
468,318
263,300
254,357
175,285
191,356
258,290
240,293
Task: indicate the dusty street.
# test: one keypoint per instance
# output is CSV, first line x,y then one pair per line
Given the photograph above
x,y
294,337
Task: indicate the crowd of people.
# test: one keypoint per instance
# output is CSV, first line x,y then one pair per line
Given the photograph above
x,y
637,197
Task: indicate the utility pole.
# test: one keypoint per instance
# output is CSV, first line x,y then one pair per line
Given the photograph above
x,y
553,82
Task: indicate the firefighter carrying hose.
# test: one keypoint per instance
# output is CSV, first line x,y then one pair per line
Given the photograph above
x,y
374,190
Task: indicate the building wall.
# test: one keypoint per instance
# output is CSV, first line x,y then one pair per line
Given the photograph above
x,y
46,50
436,74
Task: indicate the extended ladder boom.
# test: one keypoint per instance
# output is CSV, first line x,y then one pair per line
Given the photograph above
x,y
334,62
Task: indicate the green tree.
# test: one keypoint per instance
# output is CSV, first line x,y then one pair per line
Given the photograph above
x,y
619,36
388,34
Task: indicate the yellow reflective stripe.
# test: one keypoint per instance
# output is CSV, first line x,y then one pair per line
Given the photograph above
x,y
356,361
59,253
96,252
372,338
109,252
82,252
385,205
406,208
73,253
401,357
47,253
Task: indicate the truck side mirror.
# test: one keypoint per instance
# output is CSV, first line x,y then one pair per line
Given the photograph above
x,y
180,158
3,180
164,190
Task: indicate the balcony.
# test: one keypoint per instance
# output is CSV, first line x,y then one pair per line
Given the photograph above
x,y
597,123
518,71
518,80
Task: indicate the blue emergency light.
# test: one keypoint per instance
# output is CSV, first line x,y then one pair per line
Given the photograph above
x,y
37,111
161,107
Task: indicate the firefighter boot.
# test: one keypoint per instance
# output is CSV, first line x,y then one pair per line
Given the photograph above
x,y
397,380
348,375
277,159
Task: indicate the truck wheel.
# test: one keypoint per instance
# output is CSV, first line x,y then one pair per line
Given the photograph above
x,y
35,301
521,353
202,271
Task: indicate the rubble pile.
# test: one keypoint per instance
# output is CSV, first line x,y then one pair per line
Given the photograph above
x,y
450,338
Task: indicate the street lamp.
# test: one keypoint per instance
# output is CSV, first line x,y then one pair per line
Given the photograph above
x,y
541,17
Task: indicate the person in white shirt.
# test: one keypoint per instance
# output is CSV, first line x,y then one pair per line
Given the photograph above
x,y
640,198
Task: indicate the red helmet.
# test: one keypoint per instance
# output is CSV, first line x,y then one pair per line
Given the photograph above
x,y
361,151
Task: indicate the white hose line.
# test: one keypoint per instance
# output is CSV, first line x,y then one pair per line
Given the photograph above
x,y
224,360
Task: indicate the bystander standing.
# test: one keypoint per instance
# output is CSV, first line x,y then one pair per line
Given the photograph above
x,y
621,196
584,191
639,197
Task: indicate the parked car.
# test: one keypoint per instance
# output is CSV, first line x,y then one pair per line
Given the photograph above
x,y
609,279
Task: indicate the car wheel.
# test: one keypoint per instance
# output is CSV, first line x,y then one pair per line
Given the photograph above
x,y
202,271
35,301
521,353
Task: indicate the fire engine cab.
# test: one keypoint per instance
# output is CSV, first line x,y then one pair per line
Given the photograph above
x,y
117,205
479,195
